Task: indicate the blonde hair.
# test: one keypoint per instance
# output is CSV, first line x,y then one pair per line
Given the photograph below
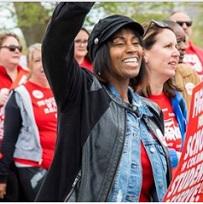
x,y
31,50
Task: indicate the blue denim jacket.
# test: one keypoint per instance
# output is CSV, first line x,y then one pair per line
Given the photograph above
x,y
128,180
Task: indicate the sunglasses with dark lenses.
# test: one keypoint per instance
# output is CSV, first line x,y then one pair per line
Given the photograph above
x,y
12,48
188,23
159,24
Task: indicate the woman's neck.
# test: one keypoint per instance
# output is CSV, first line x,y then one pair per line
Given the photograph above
x,y
42,83
156,88
11,70
79,59
156,83
122,88
12,73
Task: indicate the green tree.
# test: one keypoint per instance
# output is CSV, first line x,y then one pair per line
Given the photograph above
x,y
140,11
145,11
32,18
197,28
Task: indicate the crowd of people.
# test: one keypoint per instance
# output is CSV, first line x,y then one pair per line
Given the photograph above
x,y
96,116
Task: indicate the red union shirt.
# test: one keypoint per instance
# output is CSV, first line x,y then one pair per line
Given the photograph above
x,y
87,64
45,112
194,57
7,84
147,175
172,131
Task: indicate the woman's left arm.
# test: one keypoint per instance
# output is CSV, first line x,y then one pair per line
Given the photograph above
x,y
12,126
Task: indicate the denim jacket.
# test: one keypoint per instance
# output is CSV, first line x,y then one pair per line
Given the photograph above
x,y
92,142
128,181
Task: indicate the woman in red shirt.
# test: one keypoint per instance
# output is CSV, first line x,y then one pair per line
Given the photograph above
x,y
11,73
30,129
80,49
161,60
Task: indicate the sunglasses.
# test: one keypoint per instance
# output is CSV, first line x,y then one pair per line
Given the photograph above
x,y
12,48
159,24
188,23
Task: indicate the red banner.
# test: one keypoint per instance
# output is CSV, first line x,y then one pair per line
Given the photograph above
x,y
187,183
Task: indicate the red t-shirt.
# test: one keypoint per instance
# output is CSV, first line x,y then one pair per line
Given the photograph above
x,y
45,112
147,176
87,64
194,57
172,131
7,84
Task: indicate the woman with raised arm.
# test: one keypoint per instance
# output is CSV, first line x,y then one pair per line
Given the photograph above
x,y
109,145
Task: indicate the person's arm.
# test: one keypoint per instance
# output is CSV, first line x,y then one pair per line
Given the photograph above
x,y
62,71
12,126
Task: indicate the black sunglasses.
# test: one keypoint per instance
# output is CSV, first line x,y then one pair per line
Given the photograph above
x,y
12,48
188,23
159,24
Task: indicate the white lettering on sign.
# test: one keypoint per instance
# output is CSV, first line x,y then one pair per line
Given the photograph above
x,y
200,121
188,195
187,179
198,103
195,144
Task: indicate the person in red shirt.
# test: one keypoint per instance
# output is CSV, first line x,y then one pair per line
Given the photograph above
x,y
161,60
11,73
186,77
194,54
80,49
29,130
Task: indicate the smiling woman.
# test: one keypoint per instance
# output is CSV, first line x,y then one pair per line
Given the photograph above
x,y
125,64
109,146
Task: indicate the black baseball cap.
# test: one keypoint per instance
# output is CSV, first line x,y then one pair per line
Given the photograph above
x,y
105,29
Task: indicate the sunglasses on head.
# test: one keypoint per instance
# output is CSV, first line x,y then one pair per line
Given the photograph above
x,y
188,23
159,24
12,48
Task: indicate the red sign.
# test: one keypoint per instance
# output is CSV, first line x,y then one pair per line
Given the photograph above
x,y
187,183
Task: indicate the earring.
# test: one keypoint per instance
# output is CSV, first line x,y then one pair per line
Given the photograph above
x,y
99,73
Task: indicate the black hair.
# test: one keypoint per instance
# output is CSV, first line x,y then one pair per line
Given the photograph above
x,y
84,29
102,63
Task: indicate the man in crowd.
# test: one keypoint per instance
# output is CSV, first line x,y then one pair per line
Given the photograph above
x,y
193,55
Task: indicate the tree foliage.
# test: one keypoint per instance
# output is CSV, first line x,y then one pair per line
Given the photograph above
x,y
140,11
32,18
145,11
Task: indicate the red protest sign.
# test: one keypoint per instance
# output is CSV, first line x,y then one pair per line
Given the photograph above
x,y
187,183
